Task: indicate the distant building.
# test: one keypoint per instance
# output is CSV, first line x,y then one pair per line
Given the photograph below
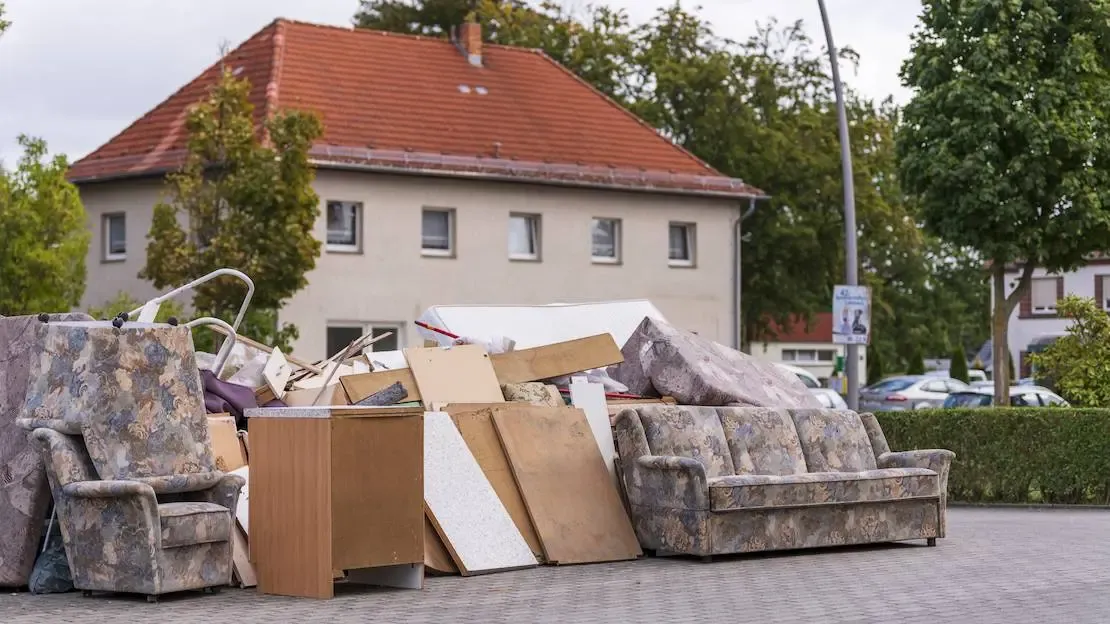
x,y
811,349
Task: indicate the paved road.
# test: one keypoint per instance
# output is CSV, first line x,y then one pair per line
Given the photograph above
x,y
997,566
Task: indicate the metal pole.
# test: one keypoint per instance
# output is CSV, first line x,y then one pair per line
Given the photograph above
x,y
851,263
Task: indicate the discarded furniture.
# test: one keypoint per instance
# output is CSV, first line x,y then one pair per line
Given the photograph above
x,y
24,492
708,481
335,488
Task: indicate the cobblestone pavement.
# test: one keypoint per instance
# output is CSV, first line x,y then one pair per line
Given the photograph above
x,y
996,565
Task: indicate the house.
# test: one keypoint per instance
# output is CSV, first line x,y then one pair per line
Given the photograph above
x,y
449,172
809,348
1034,323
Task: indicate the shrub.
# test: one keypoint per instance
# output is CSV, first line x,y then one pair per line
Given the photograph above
x,y
1014,455
958,368
916,365
1077,364
874,366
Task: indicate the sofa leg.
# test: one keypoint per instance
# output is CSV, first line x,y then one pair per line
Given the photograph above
x,y
212,590
932,541
707,559
152,599
86,593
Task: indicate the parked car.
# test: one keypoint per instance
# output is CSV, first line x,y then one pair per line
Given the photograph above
x,y
1020,396
909,392
827,396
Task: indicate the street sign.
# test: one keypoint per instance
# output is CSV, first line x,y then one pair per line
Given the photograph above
x,y
851,315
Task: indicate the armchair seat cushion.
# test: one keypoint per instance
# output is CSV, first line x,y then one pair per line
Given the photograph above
x,y
186,524
821,488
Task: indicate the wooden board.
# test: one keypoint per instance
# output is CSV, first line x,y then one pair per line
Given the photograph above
x,y
461,374
555,360
333,394
226,447
476,428
463,507
436,557
377,490
240,559
570,498
291,545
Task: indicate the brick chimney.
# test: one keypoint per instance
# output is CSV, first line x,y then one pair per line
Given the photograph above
x,y
470,40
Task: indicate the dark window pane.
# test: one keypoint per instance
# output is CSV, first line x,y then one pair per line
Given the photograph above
x,y
386,344
680,243
436,230
341,336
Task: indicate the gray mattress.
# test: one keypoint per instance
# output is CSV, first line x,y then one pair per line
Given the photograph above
x,y
24,493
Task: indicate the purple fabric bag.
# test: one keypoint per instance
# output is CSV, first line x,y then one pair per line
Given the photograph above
x,y
226,397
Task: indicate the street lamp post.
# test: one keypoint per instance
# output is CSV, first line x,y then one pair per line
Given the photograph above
x,y
851,262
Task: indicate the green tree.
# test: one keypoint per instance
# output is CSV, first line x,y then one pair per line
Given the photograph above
x,y
958,367
124,302
1010,365
916,363
875,371
249,205
42,222
1006,141
4,24
1078,363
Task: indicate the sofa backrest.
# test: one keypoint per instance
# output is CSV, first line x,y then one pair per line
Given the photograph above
x,y
833,440
688,431
762,441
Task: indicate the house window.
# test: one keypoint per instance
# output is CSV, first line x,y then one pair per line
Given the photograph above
x,y
1105,303
344,226
799,355
682,243
826,355
115,237
342,334
1044,295
524,237
437,232
606,240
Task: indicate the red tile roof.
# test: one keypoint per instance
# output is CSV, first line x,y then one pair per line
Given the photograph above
x,y
821,331
399,102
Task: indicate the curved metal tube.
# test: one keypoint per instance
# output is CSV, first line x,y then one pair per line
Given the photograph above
x,y
225,348
200,280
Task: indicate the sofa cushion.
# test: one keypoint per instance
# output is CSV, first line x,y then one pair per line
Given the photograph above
x,y
687,431
833,440
762,440
186,524
818,488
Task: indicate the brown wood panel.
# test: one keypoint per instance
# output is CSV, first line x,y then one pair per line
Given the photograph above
x,y
377,490
436,557
555,360
226,447
290,515
244,571
565,485
481,438
461,374
360,386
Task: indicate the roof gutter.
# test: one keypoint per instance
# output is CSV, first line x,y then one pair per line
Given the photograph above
x,y
737,268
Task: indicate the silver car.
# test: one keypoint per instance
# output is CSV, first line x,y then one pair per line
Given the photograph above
x,y
909,392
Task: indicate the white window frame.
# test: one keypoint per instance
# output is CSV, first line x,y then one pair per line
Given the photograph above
x,y
535,229
106,234
439,253
356,247
365,327
1033,299
691,233
618,234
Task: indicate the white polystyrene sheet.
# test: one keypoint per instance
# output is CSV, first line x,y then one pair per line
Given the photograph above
x,y
538,325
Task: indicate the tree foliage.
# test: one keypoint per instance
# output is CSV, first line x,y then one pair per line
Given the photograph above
x,y
248,204
124,302
875,369
42,222
4,24
1078,363
1006,143
958,368
762,110
916,364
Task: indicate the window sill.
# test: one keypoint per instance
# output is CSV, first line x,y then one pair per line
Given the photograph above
x,y
682,264
343,249
113,259
602,260
437,253
1038,315
523,258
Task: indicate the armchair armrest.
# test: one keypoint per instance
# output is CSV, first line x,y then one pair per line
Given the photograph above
x,y
181,483
108,489
669,482
225,493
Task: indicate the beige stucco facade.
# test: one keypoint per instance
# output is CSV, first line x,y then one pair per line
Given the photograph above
x,y
818,358
390,281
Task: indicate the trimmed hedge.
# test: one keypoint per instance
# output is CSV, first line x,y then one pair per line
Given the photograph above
x,y
1014,455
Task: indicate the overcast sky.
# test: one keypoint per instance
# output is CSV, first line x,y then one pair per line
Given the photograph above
x,y
76,72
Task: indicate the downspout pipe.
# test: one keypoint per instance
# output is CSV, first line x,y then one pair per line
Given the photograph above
x,y
737,241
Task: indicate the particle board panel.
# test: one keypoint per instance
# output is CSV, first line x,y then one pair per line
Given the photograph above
x,y
358,387
476,428
463,507
570,498
226,447
240,559
378,490
461,374
291,545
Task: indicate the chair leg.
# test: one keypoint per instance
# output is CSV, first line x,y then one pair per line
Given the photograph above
x,y
152,599
932,541
212,590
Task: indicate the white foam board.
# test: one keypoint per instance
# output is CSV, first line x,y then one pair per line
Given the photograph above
x,y
539,325
590,398
242,509
474,523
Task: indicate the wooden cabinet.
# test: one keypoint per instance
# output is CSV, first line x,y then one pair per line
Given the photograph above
x,y
333,488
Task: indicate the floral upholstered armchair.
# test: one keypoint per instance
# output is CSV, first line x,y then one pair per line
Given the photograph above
x,y
138,499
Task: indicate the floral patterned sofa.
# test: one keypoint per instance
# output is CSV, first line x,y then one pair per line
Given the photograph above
x,y
708,481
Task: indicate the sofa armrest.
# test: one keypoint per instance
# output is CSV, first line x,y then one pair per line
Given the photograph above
x,y
109,489
937,460
670,482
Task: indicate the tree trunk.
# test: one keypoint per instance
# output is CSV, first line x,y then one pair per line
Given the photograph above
x,y
999,333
